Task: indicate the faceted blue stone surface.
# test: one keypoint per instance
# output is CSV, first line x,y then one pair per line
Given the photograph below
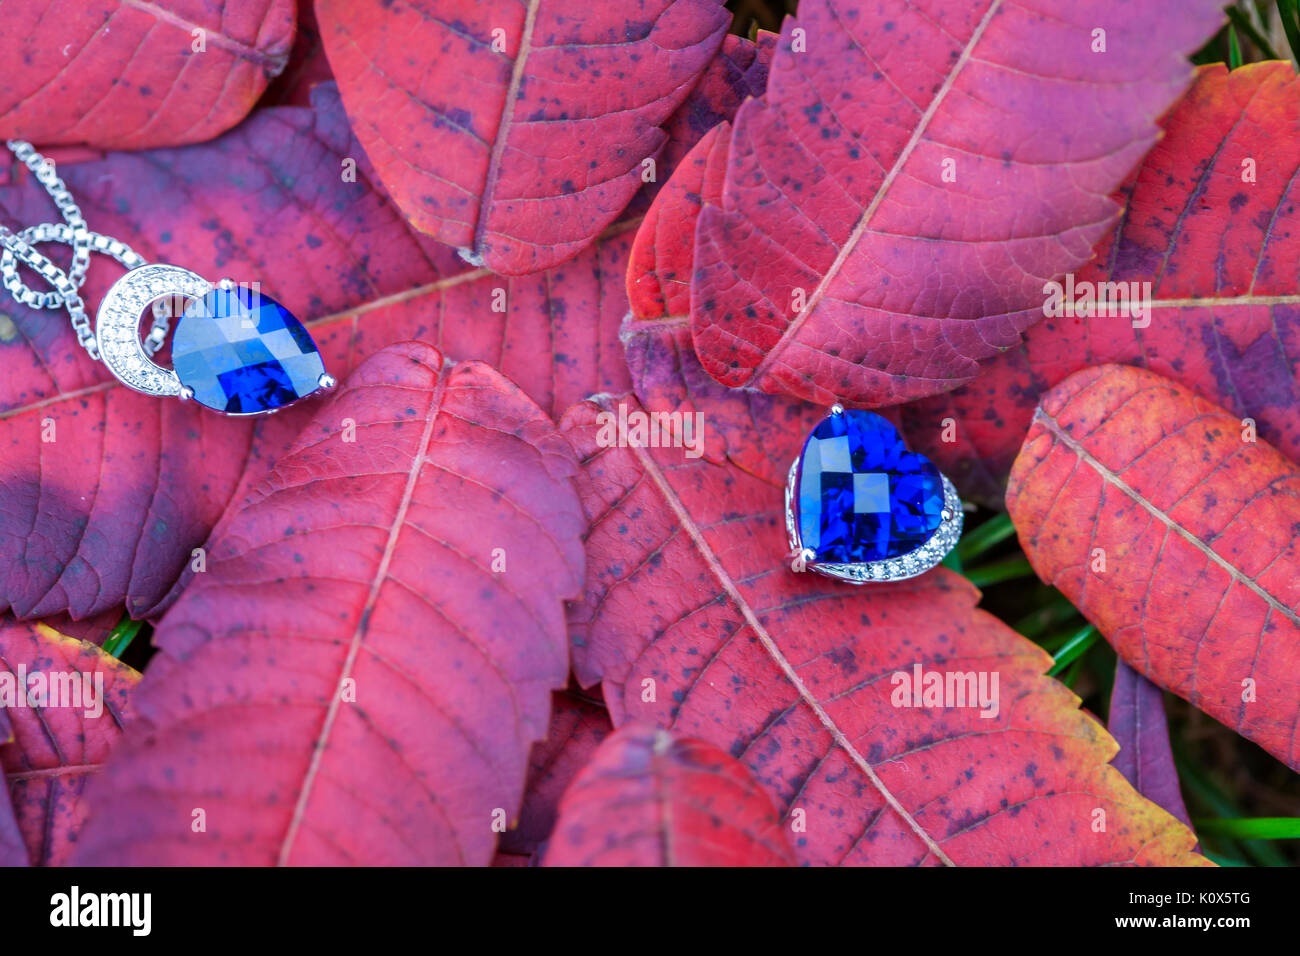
x,y
862,496
244,353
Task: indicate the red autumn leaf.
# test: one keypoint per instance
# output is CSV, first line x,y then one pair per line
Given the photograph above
x,y
1176,537
577,728
1219,253
650,798
132,75
516,132
355,679
58,742
693,621
894,202
663,255
1137,722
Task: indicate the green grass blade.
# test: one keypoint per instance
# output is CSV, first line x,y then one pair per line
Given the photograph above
x,y
121,636
997,571
1252,828
1234,49
1242,22
991,533
1074,648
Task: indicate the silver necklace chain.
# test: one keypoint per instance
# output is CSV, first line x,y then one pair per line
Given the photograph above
x,y
20,248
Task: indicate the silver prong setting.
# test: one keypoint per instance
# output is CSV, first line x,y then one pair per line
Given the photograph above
x,y
326,381
225,285
186,393
837,409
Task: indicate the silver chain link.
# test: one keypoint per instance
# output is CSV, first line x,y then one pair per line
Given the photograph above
x,y
45,174
20,247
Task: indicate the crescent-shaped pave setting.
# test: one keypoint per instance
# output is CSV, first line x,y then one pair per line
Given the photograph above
x,y
860,507
117,325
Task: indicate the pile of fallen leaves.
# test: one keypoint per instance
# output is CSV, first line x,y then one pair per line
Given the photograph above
x,y
438,618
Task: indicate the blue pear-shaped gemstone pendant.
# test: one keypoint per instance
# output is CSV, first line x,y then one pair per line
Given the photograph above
x,y
242,353
860,506
235,350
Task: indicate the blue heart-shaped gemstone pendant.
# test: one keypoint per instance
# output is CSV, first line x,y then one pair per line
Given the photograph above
x,y
861,507
235,350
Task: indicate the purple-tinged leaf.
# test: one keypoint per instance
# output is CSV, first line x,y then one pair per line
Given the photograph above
x,y
1137,722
